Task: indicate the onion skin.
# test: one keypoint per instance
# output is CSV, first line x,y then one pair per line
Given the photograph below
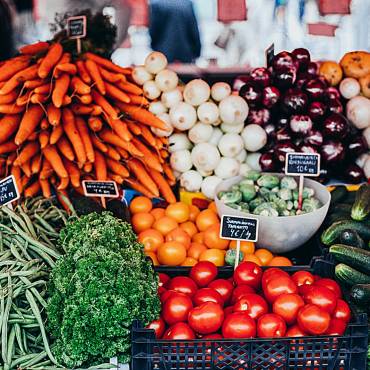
x,y
307,148
259,116
301,124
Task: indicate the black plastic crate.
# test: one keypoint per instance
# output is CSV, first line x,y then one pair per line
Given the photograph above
x,y
347,352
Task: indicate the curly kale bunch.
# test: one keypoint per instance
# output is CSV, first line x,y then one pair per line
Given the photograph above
x,y
97,289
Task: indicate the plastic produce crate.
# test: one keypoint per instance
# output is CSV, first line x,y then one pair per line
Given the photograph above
x,y
347,352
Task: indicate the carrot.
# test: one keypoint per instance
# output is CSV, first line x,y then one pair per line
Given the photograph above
x,y
9,98
122,152
34,136
65,148
169,174
11,158
100,166
95,124
164,140
106,106
112,77
67,100
52,155
51,59
54,114
60,89
99,144
25,180
111,138
28,124
16,172
36,164
29,73
138,100
113,153
69,68
9,125
32,190
116,93
88,166
163,186
46,170
43,89
108,64
31,84
95,75
137,168
36,48
24,99
74,137
114,177
148,136
149,158
73,171
86,139
97,110
134,128
28,151
80,86
44,125
11,67
64,181
138,187
117,167
164,154
83,72
130,88
56,134
11,109
85,99
120,128
8,147
26,168
45,188
82,109
39,98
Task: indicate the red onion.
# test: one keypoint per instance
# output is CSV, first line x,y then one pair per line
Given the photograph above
x,y
270,96
303,57
282,60
294,101
332,152
259,116
357,146
267,162
301,124
282,149
315,89
354,174
335,126
316,110
285,77
283,135
335,106
314,137
261,76
252,93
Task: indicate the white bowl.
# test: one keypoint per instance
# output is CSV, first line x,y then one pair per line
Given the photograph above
x,y
284,233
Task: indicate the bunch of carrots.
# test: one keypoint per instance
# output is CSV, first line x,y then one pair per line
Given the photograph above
x,y
64,121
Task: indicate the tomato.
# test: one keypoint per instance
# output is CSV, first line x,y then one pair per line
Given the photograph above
x,y
304,289
179,235
287,306
179,211
302,278
252,304
223,287
248,273
322,297
271,325
189,261
179,331
264,255
228,310
176,308
212,238
342,311
183,284
171,253
158,326
272,273
203,273
165,295
245,247
278,286
206,318
241,291
313,319
194,212
280,261
238,325
163,279
336,327
295,331
158,213
207,295
331,284
212,336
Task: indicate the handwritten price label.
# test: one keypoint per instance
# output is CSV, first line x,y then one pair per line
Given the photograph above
x,y
8,190
302,164
239,228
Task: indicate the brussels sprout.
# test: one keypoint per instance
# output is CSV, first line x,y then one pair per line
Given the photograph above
x,y
280,205
252,175
293,212
268,181
275,189
253,204
231,256
234,206
285,194
266,209
230,196
288,182
246,182
244,207
295,194
308,193
285,213
271,197
264,192
311,203
289,205
235,188
248,192
295,204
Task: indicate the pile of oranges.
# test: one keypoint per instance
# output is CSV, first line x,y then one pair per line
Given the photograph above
x,y
182,235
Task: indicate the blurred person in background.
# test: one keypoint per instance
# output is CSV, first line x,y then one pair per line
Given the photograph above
x,y
6,30
174,30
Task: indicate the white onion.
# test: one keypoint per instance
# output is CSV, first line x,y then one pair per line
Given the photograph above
x,y
217,122
166,80
191,180
196,92
169,128
233,110
253,161
367,168
349,88
200,133
204,173
171,98
230,145
205,156
220,90
244,168
360,161
141,75
227,167
155,62
241,157
181,161
232,129
255,137
151,90
183,116
358,112
366,134
209,185
178,142
208,112
216,136
157,108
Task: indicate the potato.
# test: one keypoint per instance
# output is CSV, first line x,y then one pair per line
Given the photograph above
x,y
365,85
332,72
356,64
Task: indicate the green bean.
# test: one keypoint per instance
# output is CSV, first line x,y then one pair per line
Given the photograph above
x,y
15,253
45,224
4,331
41,366
14,217
18,273
23,359
21,316
24,340
1,242
34,361
18,337
5,255
28,222
23,322
11,348
34,291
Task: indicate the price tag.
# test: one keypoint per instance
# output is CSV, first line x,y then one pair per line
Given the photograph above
x,y
239,228
302,164
8,190
103,189
231,10
76,27
270,53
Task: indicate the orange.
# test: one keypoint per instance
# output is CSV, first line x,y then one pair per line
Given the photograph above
x,y
196,249
212,238
158,213
217,256
205,219
179,235
171,253
165,224
141,204
153,257
189,227
252,258
280,261
189,262
151,239
264,255
245,247
212,207
142,221
179,211
198,238
194,212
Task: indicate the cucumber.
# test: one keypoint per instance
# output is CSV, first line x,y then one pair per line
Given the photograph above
x,y
354,257
360,294
338,194
348,275
361,207
351,238
331,234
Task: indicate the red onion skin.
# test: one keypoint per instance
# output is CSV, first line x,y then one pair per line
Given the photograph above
x,y
301,124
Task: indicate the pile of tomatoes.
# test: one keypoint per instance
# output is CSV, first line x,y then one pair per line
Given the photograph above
x,y
182,234
250,304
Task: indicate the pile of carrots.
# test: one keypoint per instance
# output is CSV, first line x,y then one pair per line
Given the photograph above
x,y
63,121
